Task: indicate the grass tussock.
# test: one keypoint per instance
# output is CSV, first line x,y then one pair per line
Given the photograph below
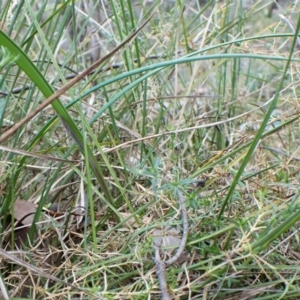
x,y
189,130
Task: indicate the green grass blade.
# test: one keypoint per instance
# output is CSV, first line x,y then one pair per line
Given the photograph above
x,y
20,58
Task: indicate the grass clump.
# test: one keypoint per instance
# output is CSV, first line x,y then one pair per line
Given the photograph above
x,y
200,107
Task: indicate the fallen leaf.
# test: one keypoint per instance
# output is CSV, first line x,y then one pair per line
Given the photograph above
x,y
168,239
132,223
24,211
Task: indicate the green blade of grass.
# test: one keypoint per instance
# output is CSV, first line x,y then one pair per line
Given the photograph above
x,y
15,54
266,238
21,59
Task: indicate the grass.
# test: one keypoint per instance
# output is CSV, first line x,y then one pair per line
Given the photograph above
x,y
203,101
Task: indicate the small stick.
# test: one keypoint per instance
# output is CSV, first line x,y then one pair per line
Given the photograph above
x,y
288,22
185,231
161,265
15,91
161,274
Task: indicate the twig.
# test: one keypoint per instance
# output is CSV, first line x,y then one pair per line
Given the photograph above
x,y
161,274
287,21
15,91
185,231
161,265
